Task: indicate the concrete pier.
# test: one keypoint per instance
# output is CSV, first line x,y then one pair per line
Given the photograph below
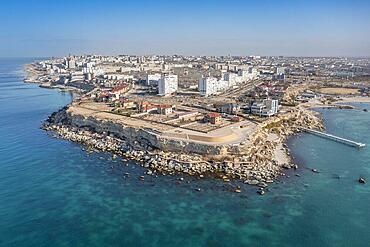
x,y
335,138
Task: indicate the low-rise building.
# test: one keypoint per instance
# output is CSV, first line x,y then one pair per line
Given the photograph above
x,y
213,118
235,119
265,108
124,103
230,108
164,109
187,116
119,90
146,107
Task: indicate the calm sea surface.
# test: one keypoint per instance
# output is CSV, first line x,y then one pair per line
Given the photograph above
x,y
52,193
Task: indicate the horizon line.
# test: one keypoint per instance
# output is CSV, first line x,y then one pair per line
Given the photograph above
x,y
183,55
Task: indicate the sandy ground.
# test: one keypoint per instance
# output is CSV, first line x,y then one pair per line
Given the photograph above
x,y
315,103
358,99
340,91
280,156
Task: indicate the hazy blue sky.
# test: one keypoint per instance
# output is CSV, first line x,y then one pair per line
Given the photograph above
x,y
302,28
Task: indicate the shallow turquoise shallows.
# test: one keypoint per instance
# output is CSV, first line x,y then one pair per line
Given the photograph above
x,y
52,193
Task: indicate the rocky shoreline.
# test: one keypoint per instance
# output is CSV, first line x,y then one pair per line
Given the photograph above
x,y
256,165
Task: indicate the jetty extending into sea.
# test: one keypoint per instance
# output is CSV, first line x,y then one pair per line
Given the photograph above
x,y
334,138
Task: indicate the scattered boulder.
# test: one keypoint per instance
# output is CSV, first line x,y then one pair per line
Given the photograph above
x,y
261,191
336,176
286,166
362,180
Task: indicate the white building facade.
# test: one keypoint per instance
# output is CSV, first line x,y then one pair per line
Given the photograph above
x,y
153,79
266,108
210,85
167,85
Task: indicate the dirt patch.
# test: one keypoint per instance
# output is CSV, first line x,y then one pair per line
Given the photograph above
x,y
338,90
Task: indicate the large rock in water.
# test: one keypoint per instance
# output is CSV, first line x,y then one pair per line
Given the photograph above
x,y
361,180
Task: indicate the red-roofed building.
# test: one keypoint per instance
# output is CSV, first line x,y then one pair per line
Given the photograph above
x,y
235,119
213,118
146,107
164,109
121,89
102,97
124,103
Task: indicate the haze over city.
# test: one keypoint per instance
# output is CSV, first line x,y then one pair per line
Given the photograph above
x,y
289,28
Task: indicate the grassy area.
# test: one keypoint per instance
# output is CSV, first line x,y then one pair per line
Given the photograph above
x,y
273,125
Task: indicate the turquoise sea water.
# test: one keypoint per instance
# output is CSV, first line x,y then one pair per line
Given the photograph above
x,y
52,193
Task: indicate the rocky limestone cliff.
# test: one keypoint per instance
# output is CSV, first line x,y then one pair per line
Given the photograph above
x,y
137,137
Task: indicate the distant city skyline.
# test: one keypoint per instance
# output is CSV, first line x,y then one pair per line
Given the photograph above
x,y
288,28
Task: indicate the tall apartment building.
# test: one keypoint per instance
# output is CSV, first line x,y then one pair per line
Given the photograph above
x,y
280,70
232,78
153,79
211,85
248,74
280,74
167,85
207,86
70,63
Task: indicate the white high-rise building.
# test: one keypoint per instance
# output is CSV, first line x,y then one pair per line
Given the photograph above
x,y
232,78
210,85
249,74
167,85
70,63
207,86
280,70
153,79
242,73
